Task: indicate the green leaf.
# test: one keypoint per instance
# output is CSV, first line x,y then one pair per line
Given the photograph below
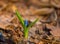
x,y
22,23
20,18
31,24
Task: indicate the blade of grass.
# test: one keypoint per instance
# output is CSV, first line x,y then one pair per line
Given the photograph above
x,y
31,24
22,23
20,18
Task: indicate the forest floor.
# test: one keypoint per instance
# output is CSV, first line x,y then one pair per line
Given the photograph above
x,y
45,31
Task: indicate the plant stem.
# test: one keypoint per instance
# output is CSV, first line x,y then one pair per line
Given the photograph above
x,y
26,33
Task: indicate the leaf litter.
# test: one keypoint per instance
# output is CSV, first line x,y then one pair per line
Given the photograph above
x,y
45,31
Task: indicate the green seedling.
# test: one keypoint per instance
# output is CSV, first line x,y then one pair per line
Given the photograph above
x,y
24,24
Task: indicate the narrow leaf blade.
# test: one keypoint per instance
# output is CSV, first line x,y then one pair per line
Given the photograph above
x,y
31,24
19,17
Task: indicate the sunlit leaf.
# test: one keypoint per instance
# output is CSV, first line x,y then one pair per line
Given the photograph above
x,y
20,18
31,24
